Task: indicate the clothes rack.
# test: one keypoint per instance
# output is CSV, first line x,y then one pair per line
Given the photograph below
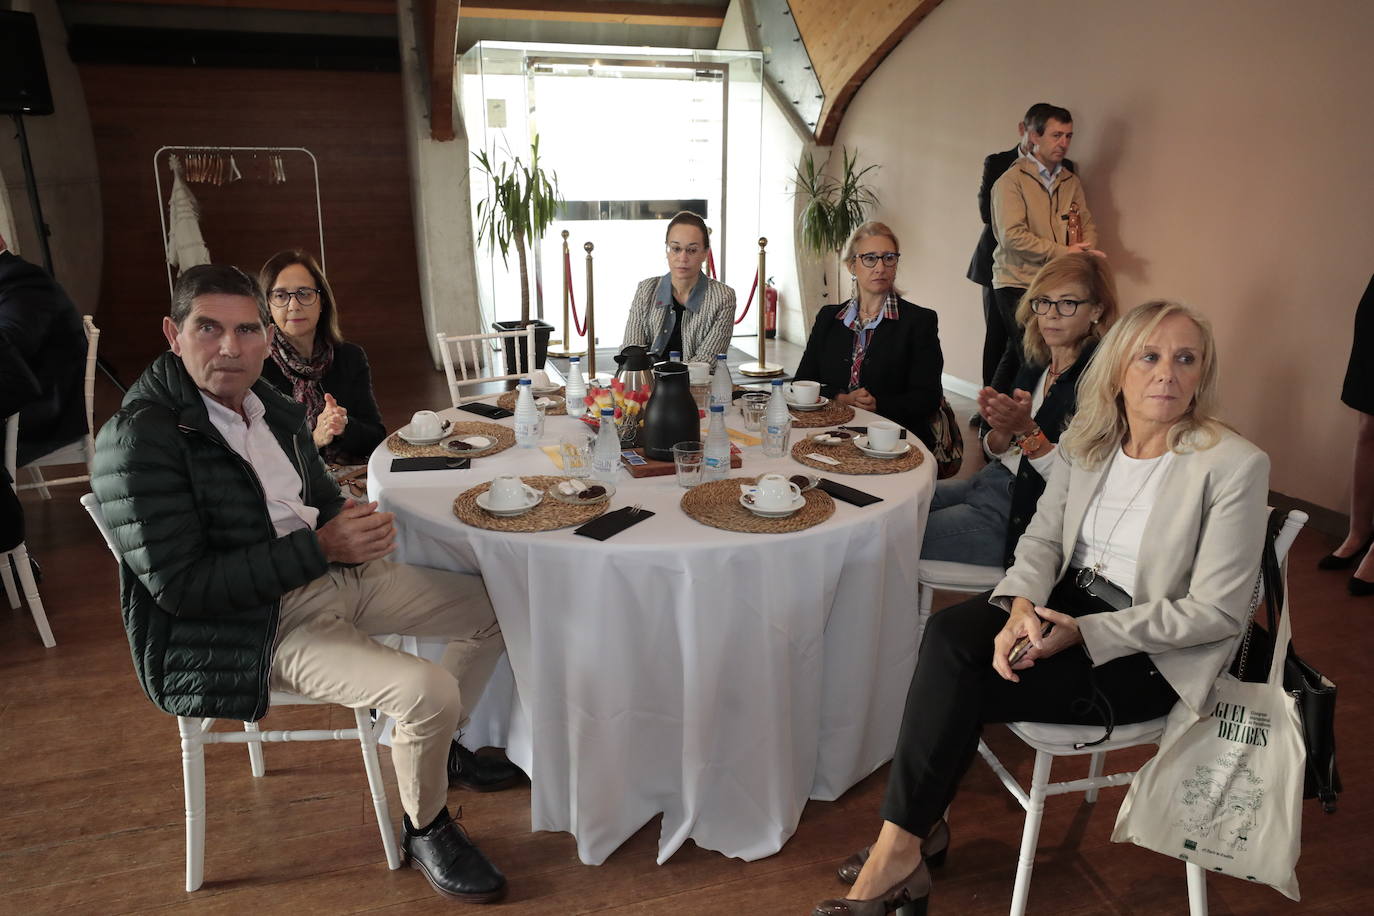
x,y
271,150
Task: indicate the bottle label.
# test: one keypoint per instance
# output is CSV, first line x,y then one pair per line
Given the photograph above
x,y
714,462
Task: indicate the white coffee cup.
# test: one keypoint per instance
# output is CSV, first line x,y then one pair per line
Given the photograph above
x,y
776,492
804,392
510,492
425,424
540,379
698,373
882,436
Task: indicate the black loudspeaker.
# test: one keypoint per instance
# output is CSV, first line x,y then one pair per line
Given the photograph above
x,y
23,78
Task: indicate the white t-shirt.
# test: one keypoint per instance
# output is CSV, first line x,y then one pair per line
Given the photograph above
x,y
255,444
1114,524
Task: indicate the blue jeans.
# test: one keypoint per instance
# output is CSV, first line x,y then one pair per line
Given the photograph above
x,y
968,518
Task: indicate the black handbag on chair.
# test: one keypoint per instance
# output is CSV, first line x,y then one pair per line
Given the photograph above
x,y
1315,693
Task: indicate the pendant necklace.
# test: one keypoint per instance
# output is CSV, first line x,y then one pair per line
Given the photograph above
x,y
1088,575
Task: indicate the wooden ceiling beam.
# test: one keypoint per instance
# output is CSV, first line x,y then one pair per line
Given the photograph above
x,y
625,13
367,7
443,49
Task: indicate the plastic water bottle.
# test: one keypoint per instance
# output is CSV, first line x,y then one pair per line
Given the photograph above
x,y
606,450
674,356
715,457
576,389
722,386
777,423
526,417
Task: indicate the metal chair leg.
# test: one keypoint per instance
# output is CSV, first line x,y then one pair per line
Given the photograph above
x,y
193,781
255,758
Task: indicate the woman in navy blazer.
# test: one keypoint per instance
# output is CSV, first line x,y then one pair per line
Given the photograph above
x,y
877,351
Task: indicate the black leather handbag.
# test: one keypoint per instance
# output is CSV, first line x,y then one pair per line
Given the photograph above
x,y
1316,694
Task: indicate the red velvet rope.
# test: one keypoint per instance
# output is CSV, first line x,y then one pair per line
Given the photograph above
x,y
572,299
750,300
710,264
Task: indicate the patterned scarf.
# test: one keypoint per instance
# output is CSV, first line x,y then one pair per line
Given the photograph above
x,y
849,317
305,373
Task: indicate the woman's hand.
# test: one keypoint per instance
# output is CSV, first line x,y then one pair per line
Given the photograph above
x,y
1010,415
860,398
331,422
1028,619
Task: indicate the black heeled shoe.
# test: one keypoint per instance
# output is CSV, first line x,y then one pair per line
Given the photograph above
x,y
908,897
1359,587
935,849
1331,561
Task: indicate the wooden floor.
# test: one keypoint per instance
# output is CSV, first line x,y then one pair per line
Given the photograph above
x,y
92,819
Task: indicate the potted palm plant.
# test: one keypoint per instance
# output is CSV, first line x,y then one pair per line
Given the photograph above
x,y
522,200
832,208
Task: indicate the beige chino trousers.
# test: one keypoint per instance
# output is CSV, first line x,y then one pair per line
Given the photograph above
x,y
325,652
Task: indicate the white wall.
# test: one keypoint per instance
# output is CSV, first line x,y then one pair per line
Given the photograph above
x,y
1225,149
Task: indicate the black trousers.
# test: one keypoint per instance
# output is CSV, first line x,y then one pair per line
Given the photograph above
x,y
955,692
1007,298
11,515
994,335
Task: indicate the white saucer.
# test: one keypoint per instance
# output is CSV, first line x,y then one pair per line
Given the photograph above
x,y
545,389
773,513
577,501
861,443
551,401
480,445
403,432
484,504
817,405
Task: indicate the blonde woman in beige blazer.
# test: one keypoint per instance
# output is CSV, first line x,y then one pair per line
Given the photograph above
x,y
1128,592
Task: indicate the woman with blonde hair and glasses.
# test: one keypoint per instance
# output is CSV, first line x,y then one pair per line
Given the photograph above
x,y
1069,305
1128,594
877,351
311,363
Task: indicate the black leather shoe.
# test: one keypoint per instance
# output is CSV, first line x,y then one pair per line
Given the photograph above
x,y
934,850
467,770
1331,561
451,862
1359,587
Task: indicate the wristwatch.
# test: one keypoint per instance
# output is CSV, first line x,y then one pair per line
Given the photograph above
x,y
1030,442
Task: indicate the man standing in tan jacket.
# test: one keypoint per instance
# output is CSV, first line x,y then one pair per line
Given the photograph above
x,y
1030,210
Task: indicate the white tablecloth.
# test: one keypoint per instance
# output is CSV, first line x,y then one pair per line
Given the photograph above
x,y
715,677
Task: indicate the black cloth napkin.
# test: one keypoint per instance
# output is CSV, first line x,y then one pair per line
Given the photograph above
x,y
848,494
490,411
435,463
863,430
612,523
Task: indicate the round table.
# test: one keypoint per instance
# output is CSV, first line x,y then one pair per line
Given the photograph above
x,y
718,678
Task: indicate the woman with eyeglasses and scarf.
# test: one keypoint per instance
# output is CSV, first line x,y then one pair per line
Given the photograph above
x,y
312,363
1069,305
877,351
684,310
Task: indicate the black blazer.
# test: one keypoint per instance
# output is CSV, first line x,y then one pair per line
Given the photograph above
x,y
901,369
42,360
349,379
1053,418
980,265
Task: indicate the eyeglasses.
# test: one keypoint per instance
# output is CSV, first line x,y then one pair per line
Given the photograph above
x,y
871,259
691,251
1065,307
305,297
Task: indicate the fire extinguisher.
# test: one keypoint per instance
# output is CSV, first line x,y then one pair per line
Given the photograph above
x,y
770,316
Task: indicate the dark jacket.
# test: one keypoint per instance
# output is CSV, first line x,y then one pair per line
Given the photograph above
x,y
1053,418
349,379
980,265
902,368
203,570
42,360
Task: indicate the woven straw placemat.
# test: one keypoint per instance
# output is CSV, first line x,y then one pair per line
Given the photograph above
x,y
717,504
503,437
832,414
547,516
507,401
853,461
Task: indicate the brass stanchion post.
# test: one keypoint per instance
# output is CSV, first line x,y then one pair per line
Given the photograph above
x,y
591,317
762,368
564,347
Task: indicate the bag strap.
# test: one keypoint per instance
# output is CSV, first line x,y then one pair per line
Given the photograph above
x,y
1276,599
1263,591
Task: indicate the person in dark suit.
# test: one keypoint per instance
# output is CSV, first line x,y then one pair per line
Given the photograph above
x,y
979,520
999,325
43,344
877,351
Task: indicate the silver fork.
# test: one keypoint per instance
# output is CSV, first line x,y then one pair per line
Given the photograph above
x,y
636,509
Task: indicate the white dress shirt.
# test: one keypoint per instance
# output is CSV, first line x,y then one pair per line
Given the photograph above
x,y
255,444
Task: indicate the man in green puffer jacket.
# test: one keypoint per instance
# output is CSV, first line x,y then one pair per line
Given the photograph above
x,y
242,567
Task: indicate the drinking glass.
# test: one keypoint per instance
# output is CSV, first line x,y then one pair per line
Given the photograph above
x,y
752,407
687,457
775,443
577,455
